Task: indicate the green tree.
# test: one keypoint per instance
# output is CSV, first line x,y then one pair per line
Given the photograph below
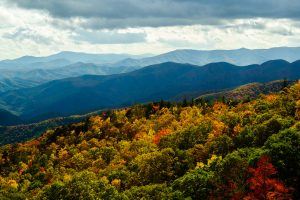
x,y
156,167
84,186
152,192
195,184
222,145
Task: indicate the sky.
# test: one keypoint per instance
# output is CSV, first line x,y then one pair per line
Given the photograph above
x,y
44,27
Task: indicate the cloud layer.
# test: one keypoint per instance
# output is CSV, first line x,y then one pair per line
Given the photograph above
x,y
41,27
155,13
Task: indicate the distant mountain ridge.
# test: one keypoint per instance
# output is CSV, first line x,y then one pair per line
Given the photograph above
x,y
162,81
30,71
71,57
11,80
239,57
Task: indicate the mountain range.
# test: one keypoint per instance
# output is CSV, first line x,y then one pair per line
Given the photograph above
x,y
11,79
163,81
239,57
30,71
62,59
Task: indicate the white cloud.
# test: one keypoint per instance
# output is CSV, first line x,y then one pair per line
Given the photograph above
x,y
32,32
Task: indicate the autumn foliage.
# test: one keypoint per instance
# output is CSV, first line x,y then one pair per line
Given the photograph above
x,y
165,150
262,185
160,134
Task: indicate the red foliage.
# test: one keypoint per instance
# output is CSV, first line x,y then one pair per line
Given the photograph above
x,y
234,190
262,186
160,134
21,171
42,169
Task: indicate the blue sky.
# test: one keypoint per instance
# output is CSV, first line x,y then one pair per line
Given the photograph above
x,y
39,27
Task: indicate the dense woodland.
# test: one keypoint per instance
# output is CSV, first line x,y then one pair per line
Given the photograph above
x,y
24,132
225,150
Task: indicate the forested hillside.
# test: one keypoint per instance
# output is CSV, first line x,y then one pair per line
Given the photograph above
x,y
248,92
159,151
29,129
24,132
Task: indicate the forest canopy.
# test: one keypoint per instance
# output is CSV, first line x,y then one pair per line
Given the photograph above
x,y
193,150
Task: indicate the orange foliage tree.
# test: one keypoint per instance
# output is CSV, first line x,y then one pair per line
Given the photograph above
x,y
160,134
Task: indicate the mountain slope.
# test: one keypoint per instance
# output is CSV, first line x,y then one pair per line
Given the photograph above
x,y
238,57
22,132
7,118
163,81
16,83
248,91
244,92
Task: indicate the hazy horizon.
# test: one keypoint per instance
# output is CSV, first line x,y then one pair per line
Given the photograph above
x,y
145,54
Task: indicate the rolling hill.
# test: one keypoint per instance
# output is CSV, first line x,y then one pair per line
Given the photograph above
x,y
162,81
13,79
